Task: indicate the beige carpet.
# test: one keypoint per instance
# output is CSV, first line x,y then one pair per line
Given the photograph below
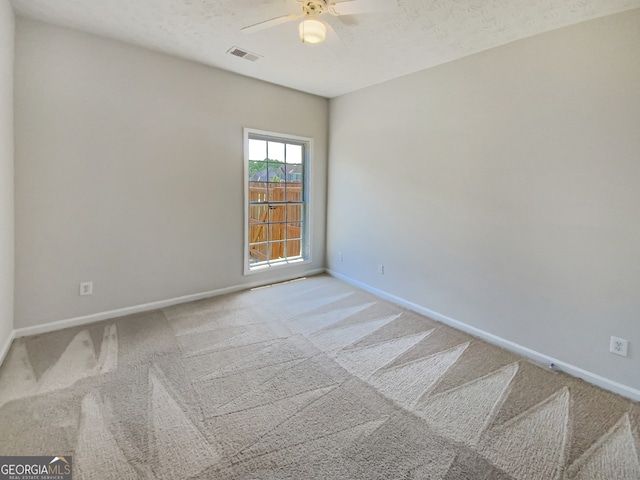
x,y
312,379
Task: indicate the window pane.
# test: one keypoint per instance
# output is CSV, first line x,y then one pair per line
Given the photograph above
x,y
257,253
294,230
275,150
294,192
277,214
257,171
258,192
276,250
294,213
293,173
275,172
277,232
258,213
294,153
257,231
257,149
293,248
276,192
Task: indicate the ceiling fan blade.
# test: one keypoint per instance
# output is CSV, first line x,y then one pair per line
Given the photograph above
x,y
354,7
256,27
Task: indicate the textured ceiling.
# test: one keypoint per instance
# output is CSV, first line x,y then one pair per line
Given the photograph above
x,y
374,47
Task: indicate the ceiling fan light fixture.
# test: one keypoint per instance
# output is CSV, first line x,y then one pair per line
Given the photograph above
x,y
312,31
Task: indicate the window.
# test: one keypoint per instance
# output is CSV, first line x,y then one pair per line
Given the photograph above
x,y
276,199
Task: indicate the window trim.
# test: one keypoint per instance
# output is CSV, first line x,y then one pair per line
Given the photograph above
x,y
305,242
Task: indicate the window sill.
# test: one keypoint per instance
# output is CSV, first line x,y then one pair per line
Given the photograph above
x,y
267,267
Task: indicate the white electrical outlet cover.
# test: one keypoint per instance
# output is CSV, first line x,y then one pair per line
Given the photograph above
x,y
86,288
618,346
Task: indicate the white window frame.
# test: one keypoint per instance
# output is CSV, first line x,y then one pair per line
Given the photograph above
x,y
305,242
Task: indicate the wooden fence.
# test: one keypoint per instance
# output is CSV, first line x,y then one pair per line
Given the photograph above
x,y
279,225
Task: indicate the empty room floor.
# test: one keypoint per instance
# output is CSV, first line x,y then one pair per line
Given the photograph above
x,y
307,379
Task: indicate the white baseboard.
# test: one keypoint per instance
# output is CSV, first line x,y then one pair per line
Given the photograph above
x,y
121,312
4,349
537,357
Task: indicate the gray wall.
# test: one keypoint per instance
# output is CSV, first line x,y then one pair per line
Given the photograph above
x,y
503,191
129,173
7,26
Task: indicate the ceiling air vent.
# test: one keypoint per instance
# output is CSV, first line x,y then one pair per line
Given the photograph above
x,y
238,52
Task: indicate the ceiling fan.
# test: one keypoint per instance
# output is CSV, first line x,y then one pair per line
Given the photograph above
x,y
314,30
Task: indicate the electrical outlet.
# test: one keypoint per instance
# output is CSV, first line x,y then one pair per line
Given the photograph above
x,y
340,256
86,288
381,269
619,346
